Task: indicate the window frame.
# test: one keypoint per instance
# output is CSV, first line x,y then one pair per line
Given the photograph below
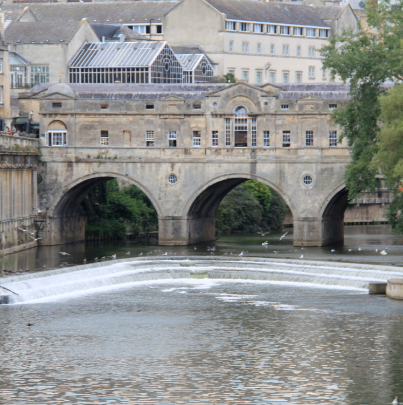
x,y
196,139
286,139
245,47
309,140
298,51
266,139
50,140
214,139
284,30
260,30
286,77
231,46
150,140
272,49
286,50
311,72
310,31
321,31
230,23
271,29
172,139
272,74
332,139
244,25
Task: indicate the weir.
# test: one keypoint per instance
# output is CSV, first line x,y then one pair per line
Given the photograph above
x,y
124,273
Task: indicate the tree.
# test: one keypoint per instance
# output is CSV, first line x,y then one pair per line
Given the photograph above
x,y
230,77
367,59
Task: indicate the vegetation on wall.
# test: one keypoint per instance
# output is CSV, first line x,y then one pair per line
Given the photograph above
x,y
367,59
250,207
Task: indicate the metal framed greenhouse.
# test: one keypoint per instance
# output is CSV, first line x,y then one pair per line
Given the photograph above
x,y
125,62
196,68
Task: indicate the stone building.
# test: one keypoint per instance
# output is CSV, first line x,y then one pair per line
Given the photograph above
x,y
186,146
5,102
259,41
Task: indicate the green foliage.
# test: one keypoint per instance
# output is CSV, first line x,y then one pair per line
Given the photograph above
x,y
366,59
113,211
230,78
250,207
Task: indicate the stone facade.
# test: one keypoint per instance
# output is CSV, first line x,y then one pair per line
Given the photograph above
x,y
18,192
178,144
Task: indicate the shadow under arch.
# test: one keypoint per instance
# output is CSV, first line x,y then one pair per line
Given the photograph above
x,y
202,205
65,215
332,213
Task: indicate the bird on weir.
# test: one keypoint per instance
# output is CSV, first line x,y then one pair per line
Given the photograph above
x,y
65,254
284,236
395,401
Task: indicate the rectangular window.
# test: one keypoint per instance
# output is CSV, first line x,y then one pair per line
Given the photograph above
x,y
149,106
271,29
308,138
197,106
230,25
141,29
323,33
286,76
323,74
310,32
258,28
1,94
39,74
259,77
159,29
196,138
332,106
298,31
311,71
253,124
214,138
298,77
1,65
172,139
56,138
332,138
259,49
286,139
285,106
231,46
104,138
227,132
104,106
272,77
285,50
57,105
244,27
298,51
272,49
311,52
245,75
245,47
284,30
266,138
150,138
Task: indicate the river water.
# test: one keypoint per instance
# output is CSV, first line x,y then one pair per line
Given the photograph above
x,y
204,341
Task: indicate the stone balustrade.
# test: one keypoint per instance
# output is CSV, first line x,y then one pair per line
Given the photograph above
x,y
9,140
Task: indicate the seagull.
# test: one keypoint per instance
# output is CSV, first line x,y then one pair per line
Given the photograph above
x,y
265,243
302,246
395,401
141,254
85,261
350,250
332,250
211,248
359,249
113,256
301,257
128,253
95,259
284,235
275,251
44,266
383,252
376,250
35,239
103,258
65,254
241,254
165,254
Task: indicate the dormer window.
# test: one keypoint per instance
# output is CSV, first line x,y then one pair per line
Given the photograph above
x,y
258,28
310,32
271,29
284,30
244,27
230,25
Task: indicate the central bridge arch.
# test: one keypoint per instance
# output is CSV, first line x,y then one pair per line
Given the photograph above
x,y
202,205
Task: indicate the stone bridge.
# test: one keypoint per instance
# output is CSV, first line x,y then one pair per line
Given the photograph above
x,y
186,148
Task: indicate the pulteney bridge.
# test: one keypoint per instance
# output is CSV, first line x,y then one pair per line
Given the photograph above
x,y
186,147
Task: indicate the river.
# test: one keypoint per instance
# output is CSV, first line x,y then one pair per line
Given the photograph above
x,y
203,341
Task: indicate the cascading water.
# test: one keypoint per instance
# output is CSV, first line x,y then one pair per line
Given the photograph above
x,y
123,273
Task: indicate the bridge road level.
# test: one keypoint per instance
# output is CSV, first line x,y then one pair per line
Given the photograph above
x,y
186,146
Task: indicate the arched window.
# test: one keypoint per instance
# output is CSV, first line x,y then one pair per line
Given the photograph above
x,y
56,134
239,128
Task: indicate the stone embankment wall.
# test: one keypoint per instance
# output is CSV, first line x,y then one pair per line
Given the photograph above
x,y
18,192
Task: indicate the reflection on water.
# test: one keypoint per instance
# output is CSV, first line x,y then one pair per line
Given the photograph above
x,y
204,342
361,243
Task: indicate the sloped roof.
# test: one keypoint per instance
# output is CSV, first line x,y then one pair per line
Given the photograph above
x,y
189,62
112,12
188,50
40,32
11,11
15,59
270,12
117,54
331,12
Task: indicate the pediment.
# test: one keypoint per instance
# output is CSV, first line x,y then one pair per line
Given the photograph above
x,y
309,97
57,96
272,89
238,89
172,98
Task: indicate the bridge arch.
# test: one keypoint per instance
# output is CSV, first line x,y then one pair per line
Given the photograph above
x,y
66,217
202,204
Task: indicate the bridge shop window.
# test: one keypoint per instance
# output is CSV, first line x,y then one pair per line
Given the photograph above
x,y
172,137
214,138
104,138
149,138
196,138
56,138
308,138
286,139
239,127
332,138
266,138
